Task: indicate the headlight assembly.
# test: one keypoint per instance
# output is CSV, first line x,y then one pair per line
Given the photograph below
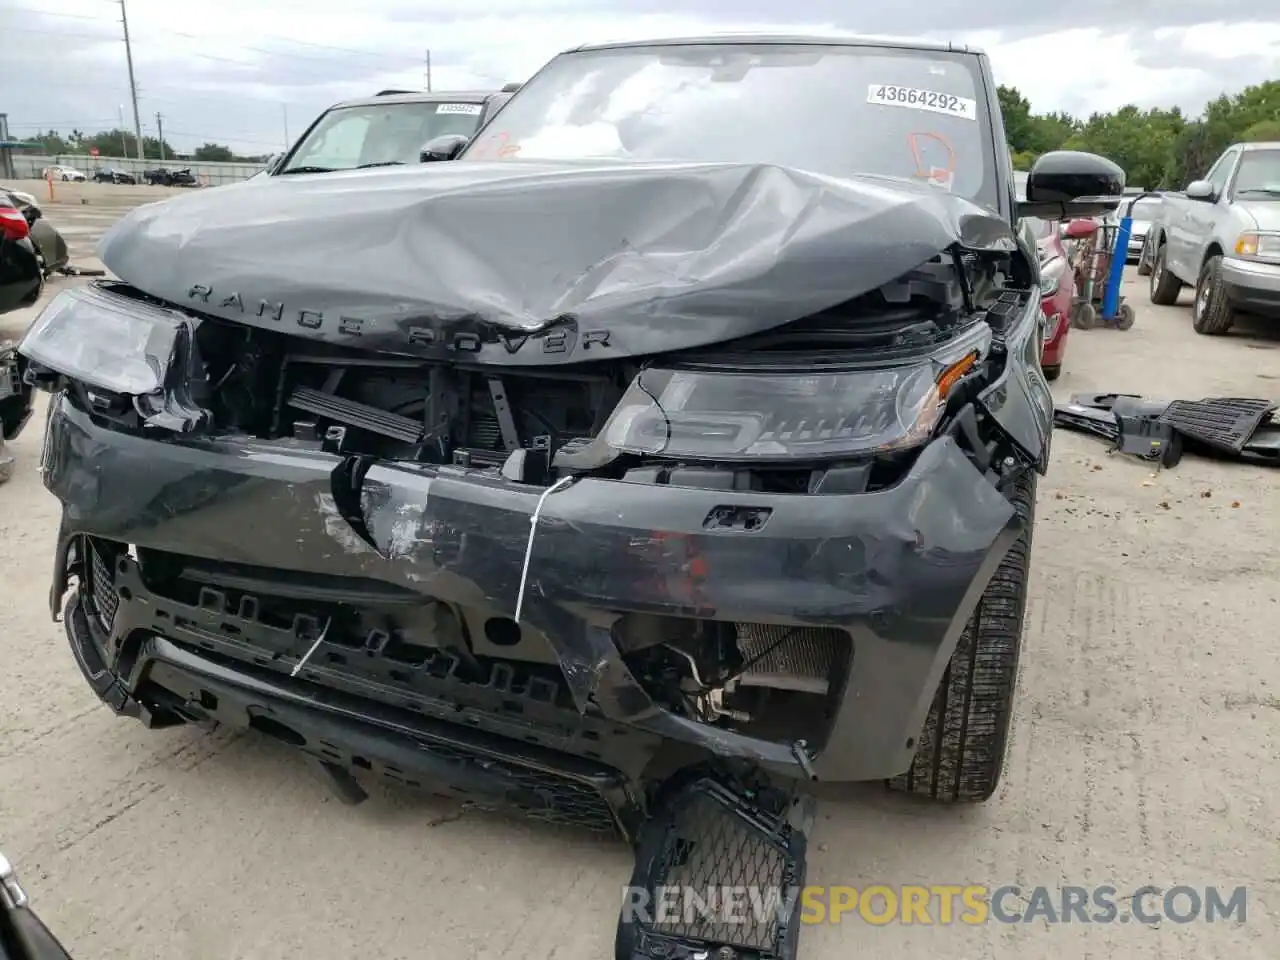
x,y
106,341
737,416
1259,246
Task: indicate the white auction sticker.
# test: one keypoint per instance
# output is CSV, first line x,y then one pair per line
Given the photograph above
x,y
469,109
887,95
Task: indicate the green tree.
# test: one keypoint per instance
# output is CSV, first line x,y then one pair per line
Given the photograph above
x,y
213,152
1016,111
1262,131
1050,131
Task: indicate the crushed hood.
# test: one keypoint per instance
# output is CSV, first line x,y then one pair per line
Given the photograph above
x,y
592,259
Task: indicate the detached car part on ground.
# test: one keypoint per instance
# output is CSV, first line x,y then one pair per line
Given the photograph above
x,y
1160,430
623,492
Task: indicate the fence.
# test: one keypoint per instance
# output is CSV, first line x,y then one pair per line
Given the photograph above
x,y
31,165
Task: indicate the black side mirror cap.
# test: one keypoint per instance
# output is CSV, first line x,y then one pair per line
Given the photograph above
x,y
444,147
1066,184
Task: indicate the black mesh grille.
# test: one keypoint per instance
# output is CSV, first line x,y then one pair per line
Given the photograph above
x,y
711,849
102,591
536,794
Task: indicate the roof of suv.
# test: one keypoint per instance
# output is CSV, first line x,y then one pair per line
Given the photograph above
x,y
817,39
422,96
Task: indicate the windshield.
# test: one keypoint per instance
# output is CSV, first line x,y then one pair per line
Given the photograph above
x,y
1258,177
380,133
1144,211
836,110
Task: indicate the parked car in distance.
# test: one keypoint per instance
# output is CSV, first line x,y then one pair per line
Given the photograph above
x,y
62,173
1057,288
1222,236
387,129
165,177
1144,212
113,175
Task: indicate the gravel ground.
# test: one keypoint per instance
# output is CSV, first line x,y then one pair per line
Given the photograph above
x,y
1144,753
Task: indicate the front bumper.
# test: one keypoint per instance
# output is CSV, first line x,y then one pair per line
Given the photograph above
x,y
1250,286
898,571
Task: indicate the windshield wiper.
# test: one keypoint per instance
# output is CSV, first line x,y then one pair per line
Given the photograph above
x,y
381,163
1267,191
305,170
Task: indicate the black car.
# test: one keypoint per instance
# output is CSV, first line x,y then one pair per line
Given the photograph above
x,y
624,491
165,177
387,129
113,175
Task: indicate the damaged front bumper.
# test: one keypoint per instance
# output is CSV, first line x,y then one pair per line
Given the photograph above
x,y
895,573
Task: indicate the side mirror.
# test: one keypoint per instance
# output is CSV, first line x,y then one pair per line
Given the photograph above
x,y
444,147
1066,184
1200,190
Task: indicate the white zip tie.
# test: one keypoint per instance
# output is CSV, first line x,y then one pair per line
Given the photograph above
x,y
533,529
307,656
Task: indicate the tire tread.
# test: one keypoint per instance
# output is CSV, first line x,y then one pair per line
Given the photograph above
x,y
961,751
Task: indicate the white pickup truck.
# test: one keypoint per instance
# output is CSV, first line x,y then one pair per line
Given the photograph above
x,y
1222,237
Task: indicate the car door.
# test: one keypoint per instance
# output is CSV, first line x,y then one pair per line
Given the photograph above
x,y
1203,216
1180,253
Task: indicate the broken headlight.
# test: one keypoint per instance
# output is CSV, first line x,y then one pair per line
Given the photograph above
x,y
105,340
715,415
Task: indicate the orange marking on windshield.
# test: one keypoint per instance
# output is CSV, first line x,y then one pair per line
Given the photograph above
x,y
943,175
496,146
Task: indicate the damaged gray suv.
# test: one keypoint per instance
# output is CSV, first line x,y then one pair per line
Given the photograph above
x,y
673,445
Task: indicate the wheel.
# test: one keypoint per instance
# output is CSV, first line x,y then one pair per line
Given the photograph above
x,y
1165,287
1211,314
1125,317
1054,372
961,752
1084,316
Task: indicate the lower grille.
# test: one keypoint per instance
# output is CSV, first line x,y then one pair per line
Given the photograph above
x,y
536,794
102,591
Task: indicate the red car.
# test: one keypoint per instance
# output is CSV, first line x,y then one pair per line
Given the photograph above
x,y
1056,292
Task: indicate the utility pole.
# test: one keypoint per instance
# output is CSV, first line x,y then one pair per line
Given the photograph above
x,y
428,67
124,143
133,84
160,134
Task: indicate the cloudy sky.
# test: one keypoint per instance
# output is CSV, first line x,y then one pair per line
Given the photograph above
x,y
245,72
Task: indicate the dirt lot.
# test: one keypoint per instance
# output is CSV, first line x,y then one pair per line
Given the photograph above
x,y
1145,751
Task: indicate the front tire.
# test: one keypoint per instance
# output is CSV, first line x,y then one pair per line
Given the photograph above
x,y
1054,372
1211,314
961,751
1165,287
